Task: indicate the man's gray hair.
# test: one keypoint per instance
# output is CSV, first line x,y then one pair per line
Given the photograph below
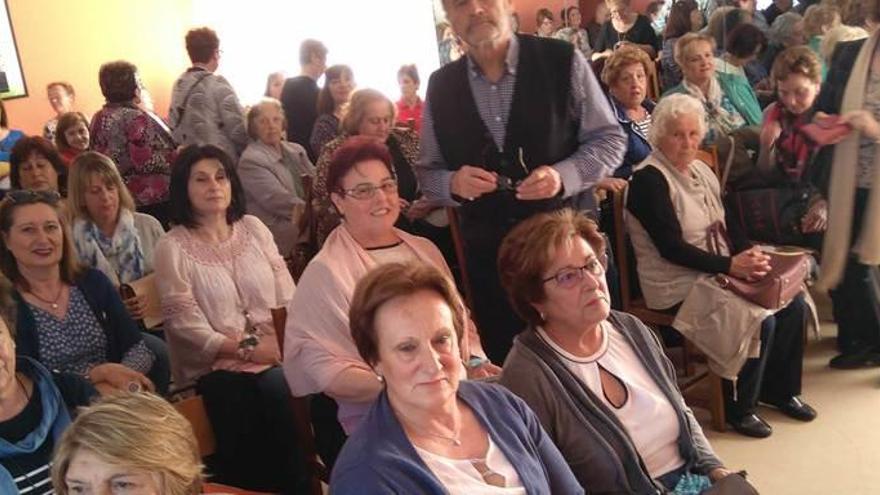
x,y
671,108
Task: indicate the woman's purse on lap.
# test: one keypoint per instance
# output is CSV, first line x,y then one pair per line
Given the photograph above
x,y
788,271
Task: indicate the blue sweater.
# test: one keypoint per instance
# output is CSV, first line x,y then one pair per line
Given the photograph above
x,y
53,423
379,458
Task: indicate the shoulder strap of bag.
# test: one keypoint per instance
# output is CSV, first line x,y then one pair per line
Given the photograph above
x,y
182,108
728,162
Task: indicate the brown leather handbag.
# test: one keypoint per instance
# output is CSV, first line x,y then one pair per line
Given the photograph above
x,y
786,279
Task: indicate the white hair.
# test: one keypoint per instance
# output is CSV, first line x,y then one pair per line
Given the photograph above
x,y
671,108
783,27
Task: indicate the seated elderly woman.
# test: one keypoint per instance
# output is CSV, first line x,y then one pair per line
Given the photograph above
x,y
128,443
319,354
108,234
34,412
626,75
72,136
219,276
371,114
69,319
597,379
429,432
36,165
332,100
271,171
787,158
695,54
673,205
137,141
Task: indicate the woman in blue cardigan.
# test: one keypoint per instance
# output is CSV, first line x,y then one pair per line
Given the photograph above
x,y
70,319
427,432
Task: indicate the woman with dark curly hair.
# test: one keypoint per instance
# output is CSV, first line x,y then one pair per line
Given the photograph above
x,y
137,141
36,164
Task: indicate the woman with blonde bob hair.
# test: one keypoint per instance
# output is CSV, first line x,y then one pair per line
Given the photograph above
x,y
137,441
597,379
109,234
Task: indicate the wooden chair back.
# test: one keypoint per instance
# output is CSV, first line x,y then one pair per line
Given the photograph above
x,y
193,409
458,244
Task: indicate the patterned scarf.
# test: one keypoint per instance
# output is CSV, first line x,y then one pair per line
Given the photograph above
x,y
121,258
720,120
794,149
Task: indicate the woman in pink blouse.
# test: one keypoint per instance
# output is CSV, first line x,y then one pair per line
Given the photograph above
x,y
219,276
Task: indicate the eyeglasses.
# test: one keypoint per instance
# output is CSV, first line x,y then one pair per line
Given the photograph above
x,y
367,191
24,196
570,277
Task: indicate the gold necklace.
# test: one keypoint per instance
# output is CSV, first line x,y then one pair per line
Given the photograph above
x,y
52,303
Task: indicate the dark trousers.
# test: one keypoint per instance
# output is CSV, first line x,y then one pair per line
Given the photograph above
x,y
329,435
257,444
498,324
855,299
775,375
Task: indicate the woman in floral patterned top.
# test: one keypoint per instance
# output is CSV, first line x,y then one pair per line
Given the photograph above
x,y
136,140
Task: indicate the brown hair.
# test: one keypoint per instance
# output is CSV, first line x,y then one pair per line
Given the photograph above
x,y
140,431
624,57
65,122
357,109
82,169
409,70
797,60
24,148
679,20
119,81
391,281
201,43
528,250
326,104
69,265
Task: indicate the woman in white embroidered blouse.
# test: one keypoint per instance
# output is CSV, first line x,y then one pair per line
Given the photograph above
x,y
219,275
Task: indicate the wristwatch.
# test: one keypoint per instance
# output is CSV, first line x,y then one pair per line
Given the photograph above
x,y
246,346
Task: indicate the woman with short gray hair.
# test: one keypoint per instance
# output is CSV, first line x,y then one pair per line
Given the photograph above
x,y
272,171
673,207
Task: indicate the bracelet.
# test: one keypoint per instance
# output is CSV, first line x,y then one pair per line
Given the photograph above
x,y
245,353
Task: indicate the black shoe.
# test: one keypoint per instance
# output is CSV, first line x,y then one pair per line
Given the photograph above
x,y
856,360
751,425
797,409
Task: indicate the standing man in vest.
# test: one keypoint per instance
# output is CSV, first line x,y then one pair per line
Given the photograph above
x,y
204,107
518,126
299,96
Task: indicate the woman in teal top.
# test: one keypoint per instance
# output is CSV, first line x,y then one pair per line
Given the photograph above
x,y
8,137
743,44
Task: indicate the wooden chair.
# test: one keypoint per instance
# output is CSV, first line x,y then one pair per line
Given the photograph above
x,y
636,306
458,244
654,92
316,469
193,409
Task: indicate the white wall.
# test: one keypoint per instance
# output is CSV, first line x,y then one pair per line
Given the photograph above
x,y
373,37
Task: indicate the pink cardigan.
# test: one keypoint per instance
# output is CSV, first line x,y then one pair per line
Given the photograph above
x,y
200,302
317,343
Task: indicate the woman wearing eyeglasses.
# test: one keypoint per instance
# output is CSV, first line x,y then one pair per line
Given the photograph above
x,y
372,114
597,379
319,354
69,318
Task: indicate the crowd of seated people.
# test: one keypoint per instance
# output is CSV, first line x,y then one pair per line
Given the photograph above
x,y
377,335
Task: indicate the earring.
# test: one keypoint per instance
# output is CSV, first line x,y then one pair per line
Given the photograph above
x,y
543,317
380,378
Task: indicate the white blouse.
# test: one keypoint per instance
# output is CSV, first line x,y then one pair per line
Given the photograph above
x,y
206,288
647,414
459,476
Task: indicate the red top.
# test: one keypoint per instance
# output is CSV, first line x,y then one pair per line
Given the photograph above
x,y
68,155
405,113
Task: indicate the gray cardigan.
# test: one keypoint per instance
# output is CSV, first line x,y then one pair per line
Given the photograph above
x,y
270,190
592,440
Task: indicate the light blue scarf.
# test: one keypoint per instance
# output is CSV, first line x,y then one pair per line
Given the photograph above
x,y
121,257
